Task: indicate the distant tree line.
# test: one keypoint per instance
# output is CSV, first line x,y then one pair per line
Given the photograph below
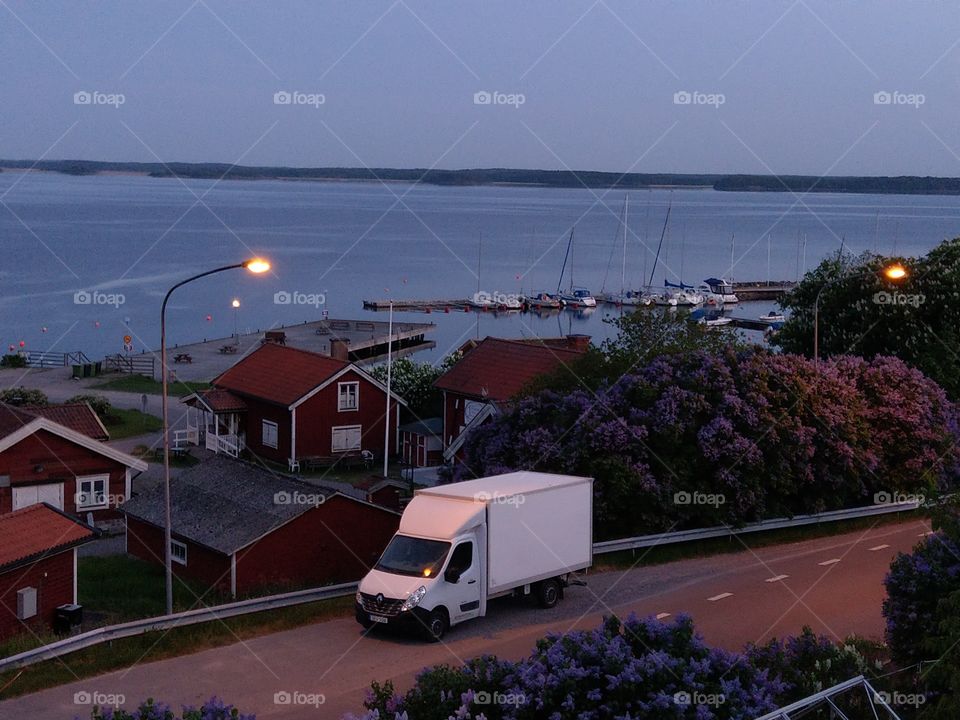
x,y
506,176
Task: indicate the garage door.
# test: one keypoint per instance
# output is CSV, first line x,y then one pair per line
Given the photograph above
x,y
50,493
346,438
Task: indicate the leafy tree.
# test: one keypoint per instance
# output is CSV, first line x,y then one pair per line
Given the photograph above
x,y
413,382
23,396
916,319
100,405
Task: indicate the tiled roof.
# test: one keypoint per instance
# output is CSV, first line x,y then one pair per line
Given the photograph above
x,y
225,504
499,369
76,416
13,418
219,400
38,530
279,374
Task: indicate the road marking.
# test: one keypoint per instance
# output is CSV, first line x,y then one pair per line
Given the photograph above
x,y
721,596
879,547
833,561
924,534
778,578
661,616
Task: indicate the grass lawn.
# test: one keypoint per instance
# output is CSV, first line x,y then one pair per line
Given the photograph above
x,y
142,384
127,423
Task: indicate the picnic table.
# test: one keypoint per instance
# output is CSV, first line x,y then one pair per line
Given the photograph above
x,y
275,336
228,349
183,358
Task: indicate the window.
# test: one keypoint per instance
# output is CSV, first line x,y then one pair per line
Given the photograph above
x,y
92,492
178,552
269,434
349,396
462,558
346,438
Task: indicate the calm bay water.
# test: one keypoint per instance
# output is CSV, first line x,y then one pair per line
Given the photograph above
x,y
136,236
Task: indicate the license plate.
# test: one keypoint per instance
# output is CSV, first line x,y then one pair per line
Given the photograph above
x,y
378,619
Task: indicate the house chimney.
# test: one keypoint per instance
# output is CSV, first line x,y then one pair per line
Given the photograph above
x,y
339,349
579,343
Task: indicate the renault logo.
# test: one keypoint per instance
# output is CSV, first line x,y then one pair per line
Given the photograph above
x,y
380,599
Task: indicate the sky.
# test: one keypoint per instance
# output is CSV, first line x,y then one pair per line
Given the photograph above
x,y
801,87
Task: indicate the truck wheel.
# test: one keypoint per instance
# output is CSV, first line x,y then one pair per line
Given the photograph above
x,y
548,593
436,625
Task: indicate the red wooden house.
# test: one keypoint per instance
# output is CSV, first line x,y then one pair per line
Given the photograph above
x,y
492,373
38,566
42,460
286,404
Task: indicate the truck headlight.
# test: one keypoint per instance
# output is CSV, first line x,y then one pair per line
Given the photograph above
x,y
359,598
414,598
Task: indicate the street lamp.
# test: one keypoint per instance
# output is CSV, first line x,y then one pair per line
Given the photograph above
x,y
236,319
895,272
254,265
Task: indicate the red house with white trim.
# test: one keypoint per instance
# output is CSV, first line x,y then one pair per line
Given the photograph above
x,y
42,460
287,405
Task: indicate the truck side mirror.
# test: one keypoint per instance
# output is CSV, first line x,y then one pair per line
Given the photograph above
x,y
452,575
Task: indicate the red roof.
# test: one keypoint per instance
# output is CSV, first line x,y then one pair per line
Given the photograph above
x,y
279,374
76,416
12,419
38,530
499,369
218,400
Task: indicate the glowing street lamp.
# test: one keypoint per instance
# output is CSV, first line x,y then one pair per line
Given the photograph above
x,y
895,272
236,319
254,265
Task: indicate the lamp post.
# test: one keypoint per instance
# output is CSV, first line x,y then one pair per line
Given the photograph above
x,y
236,319
386,431
895,272
255,265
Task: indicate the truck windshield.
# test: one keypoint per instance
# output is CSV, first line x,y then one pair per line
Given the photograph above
x,y
407,555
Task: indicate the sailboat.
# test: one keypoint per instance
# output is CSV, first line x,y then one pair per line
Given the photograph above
x,y
576,297
481,300
625,296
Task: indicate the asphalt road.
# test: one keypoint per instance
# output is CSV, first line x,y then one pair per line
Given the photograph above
x,y
833,584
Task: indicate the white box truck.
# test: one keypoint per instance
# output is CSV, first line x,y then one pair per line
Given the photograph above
x,y
462,544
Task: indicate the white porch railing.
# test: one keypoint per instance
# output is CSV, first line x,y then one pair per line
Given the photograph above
x,y
231,445
190,436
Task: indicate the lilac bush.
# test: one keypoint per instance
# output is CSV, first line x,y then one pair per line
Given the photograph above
x,y
705,438
212,709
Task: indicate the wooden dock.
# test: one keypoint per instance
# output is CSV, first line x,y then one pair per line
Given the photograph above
x,y
427,306
748,291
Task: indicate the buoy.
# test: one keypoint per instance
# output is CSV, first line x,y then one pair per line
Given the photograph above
x,y
22,343
209,318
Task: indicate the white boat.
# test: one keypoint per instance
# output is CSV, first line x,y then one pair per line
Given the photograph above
x,y
718,290
665,299
507,301
578,298
772,317
544,301
717,321
685,295
482,300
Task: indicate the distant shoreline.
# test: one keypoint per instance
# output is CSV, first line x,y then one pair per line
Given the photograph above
x,y
505,177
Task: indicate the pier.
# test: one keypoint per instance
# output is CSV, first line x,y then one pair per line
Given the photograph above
x,y
747,291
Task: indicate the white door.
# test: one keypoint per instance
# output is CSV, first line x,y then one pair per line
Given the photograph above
x,y
346,438
51,493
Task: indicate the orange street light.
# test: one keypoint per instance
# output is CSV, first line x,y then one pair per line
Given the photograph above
x,y
895,271
257,265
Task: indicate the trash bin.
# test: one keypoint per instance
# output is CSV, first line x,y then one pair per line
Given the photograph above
x,y
97,367
87,369
66,618
78,371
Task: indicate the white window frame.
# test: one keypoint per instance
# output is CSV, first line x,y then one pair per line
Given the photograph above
x,y
333,433
264,424
356,396
93,479
176,545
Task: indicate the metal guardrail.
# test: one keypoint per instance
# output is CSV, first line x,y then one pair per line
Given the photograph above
x,y
646,541
299,597
142,364
168,622
50,359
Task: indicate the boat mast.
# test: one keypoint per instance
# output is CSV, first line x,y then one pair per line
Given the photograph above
x,y
479,256
659,246
623,267
564,266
